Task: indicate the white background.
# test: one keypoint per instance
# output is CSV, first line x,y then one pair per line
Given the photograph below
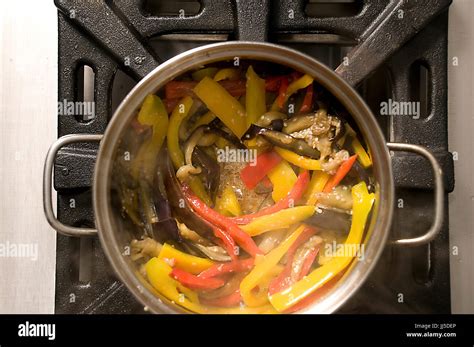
x,y
28,92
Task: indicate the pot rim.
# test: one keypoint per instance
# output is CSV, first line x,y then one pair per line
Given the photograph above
x,y
379,227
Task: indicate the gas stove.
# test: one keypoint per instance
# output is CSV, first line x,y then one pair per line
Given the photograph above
x,y
105,47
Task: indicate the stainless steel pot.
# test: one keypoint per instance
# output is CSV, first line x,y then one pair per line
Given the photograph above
x,y
114,238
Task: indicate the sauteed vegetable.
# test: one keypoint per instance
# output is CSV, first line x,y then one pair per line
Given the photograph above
x,y
242,186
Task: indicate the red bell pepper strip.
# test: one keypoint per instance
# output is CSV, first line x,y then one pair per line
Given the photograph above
x,y
282,92
265,162
230,300
194,282
235,88
207,213
266,182
308,99
293,196
283,280
272,83
180,89
294,76
309,260
170,104
225,268
228,241
341,172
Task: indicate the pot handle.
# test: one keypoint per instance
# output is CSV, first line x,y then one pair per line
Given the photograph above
x,y
47,184
438,194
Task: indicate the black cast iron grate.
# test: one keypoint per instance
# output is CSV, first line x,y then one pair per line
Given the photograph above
x,y
117,37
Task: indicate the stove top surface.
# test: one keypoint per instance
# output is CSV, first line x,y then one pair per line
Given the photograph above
x,y
97,65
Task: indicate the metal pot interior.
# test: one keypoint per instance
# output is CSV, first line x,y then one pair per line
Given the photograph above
x,y
115,233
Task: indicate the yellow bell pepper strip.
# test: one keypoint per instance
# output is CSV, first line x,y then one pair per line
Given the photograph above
x,y
362,204
259,295
222,143
252,143
341,172
264,266
152,113
298,160
242,100
301,83
223,105
283,178
206,118
316,185
255,96
330,238
192,295
227,74
307,301
158,274
290,200
206,72
362,156
227,204
278,220
179,114
184,261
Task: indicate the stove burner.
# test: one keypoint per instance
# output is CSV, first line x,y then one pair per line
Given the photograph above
x,y
100,60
